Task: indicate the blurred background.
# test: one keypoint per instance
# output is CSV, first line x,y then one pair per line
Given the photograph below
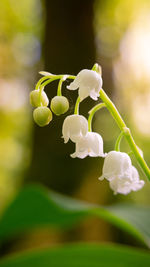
x,y
65,37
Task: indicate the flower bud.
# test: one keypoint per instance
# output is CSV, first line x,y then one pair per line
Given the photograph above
x,y
36,100
42,116
59,105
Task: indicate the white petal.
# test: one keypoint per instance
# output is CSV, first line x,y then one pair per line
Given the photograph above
x,y
74,155
96,144
116,164
80,155
74,127
137,185
135,174
73,86
89,83
66,138
94,95
75,136
120,186
125,185
89,145
83,92
101,178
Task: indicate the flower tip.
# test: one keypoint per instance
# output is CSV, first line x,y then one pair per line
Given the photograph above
x,y
101,178
73,155
65,140
46,73
72,86
97,68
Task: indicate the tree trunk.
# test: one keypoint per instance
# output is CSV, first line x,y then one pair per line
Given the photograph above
x,y
68,48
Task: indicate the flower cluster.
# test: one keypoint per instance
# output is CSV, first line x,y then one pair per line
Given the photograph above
x,y
117,169
75,128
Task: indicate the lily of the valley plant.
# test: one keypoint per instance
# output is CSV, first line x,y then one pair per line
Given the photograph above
x,y
118,170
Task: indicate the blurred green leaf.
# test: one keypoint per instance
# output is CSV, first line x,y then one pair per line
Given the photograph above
x,y
80,255
35,206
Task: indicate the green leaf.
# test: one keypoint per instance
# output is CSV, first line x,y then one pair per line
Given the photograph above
x,y
82,255
37,207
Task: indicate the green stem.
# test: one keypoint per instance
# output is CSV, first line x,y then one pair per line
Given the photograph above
x,y
48,79
114,112
92,112
76,109
40,81
53,78
57,77
44,84
117,145
60,84
59,87
47,82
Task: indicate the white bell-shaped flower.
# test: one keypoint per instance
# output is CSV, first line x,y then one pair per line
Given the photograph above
x,y
74,127
125,184
89,145
89,83
116,164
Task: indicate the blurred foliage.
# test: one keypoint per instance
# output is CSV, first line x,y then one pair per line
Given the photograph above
x,y
46,208
122,31
20,35
81,255
43,208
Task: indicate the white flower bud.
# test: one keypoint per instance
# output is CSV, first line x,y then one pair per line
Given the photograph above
x,y
74,127
59,105
89,145
42,116
116,164
89,83
36,100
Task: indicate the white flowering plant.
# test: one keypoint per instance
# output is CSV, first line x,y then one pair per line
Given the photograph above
x,y
117,169
36,207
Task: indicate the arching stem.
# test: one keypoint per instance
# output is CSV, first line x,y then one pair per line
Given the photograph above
x,y
118,141
76,109
91,114
42,83
60,85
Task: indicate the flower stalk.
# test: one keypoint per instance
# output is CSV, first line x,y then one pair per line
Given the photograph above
x,y
91,114
76,109
118,141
